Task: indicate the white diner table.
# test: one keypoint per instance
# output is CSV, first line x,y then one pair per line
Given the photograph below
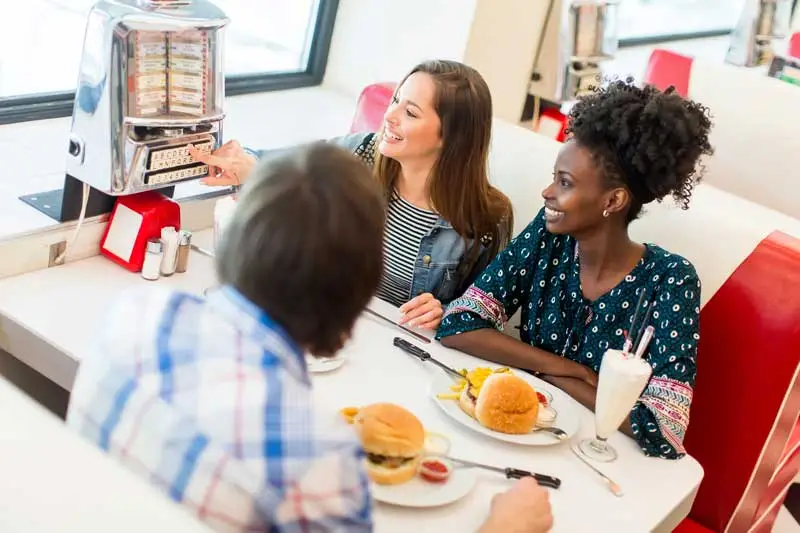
x,y
62,308
656,491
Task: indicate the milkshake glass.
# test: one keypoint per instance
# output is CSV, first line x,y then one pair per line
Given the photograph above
x,y
621,381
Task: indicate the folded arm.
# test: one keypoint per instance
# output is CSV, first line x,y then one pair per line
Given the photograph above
x,y
493,345
474,322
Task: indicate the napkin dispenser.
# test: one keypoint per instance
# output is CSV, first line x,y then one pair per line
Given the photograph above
x,y
151,82
134,220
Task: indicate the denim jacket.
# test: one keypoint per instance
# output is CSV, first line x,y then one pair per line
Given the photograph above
x,y
441,266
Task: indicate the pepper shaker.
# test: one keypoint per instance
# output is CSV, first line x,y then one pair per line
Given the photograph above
x,y
184,246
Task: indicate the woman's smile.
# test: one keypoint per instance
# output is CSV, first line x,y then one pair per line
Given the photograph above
x,y
552,215
390,136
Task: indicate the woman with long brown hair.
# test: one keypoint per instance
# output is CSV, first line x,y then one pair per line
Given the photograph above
x,y
445,222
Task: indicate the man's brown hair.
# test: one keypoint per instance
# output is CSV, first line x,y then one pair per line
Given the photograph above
x,y
306,244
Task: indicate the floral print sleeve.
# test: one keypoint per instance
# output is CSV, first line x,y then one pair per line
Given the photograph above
x,y
500,289
660,418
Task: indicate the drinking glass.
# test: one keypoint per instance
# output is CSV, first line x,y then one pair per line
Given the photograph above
x,y
621,381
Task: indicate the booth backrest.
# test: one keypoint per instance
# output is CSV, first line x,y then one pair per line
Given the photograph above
x,y
747,393
371,106
667,68
794,45
755,127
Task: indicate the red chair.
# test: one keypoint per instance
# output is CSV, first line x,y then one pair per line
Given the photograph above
x,y
794,45
667,68
744,421
371,106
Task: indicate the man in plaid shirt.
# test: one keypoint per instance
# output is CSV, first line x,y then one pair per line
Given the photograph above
x,y
209,398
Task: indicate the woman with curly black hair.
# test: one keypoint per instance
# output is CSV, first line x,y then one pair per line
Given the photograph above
x,y
577,276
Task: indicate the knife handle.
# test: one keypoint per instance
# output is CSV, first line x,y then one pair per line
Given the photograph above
x,y
411,349
542,479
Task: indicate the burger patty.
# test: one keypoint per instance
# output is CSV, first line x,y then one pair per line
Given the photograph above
x,y
388,462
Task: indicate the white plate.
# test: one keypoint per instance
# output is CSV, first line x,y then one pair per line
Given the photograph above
x,y
421,493
320,366
568,416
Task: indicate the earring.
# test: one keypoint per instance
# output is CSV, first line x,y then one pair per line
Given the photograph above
x,y
605,213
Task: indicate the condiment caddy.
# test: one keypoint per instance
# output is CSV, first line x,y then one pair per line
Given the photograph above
x,y
167,255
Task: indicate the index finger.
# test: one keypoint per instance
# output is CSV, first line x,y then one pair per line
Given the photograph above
x,y
416,302
210,160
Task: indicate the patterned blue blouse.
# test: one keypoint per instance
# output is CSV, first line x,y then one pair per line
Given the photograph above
x,y
539,273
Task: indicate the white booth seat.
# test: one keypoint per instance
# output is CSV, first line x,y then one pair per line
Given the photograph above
x,y
756,134
716,233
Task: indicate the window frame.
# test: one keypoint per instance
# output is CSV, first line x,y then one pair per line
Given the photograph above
x,y
41,106
670,37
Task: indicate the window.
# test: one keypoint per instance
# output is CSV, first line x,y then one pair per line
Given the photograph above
x,y
643,21
269,45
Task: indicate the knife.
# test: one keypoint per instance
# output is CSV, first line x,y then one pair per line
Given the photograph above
x,y
202,251
422,355
414,334
511,473
615,489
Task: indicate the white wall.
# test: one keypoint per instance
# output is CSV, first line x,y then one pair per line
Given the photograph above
x,y
380,40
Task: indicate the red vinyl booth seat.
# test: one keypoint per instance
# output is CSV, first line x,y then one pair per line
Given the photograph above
x,y
667,68
794,45
371,106
743,427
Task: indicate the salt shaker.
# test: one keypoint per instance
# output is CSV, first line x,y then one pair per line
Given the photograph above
x,y
152,260
223,212
184,246
170,239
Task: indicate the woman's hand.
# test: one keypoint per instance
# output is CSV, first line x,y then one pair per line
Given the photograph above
x,y
229,165
524,508
424,312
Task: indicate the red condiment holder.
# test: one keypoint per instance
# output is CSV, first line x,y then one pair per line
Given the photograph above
x,y
134,220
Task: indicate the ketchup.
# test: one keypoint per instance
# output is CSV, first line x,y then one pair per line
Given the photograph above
x,y
542,398
434,471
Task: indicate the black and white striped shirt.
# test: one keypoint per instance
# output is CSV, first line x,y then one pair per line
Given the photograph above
x,y
406,225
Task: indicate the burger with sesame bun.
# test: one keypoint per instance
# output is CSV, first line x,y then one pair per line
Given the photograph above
x,y
393,439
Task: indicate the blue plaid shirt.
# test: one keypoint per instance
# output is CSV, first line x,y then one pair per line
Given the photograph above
x,y
211,402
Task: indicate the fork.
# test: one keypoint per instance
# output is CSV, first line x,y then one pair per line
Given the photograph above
x,y
558,433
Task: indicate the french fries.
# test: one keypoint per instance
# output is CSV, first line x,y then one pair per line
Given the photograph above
x,y
476,378
349,413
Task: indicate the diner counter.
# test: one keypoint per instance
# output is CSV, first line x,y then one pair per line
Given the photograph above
x,y
55,313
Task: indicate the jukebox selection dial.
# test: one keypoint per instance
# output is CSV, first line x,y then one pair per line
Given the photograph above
x,y
176,175
175,157
165,165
